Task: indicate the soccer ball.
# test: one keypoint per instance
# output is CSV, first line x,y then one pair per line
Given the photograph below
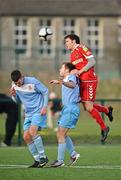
x,y
45,33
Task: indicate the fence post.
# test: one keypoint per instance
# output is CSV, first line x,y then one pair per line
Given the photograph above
x,y
103,103
19,125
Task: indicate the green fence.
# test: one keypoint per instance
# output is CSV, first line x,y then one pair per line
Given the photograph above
x,y
103,101
113,102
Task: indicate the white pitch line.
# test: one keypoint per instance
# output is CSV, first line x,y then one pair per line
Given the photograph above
x,y
105,167
12,166
96,167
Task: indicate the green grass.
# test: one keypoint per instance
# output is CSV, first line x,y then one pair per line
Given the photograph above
x,y
93,156
87,130
87,168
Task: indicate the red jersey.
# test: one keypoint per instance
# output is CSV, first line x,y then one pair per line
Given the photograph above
x,y
79,58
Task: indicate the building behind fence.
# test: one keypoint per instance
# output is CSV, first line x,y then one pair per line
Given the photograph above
x,y
98,23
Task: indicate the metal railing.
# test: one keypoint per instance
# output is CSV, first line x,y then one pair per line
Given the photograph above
x,y
102,101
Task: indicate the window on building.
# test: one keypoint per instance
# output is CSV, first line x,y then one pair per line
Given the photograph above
x,y
20,35
93,36
68,28
45,47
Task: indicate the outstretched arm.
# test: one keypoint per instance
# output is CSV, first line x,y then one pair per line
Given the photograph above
x,y
69,84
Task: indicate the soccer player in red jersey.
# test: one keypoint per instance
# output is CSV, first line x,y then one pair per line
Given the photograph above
x,y
84,62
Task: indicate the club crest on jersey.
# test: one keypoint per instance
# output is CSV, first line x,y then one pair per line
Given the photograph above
x,y
76,56
30,87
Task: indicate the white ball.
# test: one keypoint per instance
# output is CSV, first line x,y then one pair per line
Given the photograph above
x,y
45,33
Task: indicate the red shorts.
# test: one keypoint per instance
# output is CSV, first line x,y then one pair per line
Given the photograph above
x,y
88,90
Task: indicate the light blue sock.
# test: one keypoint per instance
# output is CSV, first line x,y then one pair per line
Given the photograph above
x,y
39,145
61,151
70,146
33,150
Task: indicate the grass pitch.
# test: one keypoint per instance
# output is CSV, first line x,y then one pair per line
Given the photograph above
x,y
96,162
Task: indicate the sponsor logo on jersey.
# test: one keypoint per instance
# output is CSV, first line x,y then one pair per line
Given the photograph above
x,y
77,61
26,88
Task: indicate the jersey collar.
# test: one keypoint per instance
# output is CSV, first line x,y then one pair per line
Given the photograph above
x,y
77,45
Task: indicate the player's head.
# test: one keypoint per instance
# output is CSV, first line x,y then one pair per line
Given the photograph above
x,y
17,77
71,40
66,68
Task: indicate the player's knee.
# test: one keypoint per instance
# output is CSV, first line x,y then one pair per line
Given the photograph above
x,y
27,138
88,106
33,131
60,137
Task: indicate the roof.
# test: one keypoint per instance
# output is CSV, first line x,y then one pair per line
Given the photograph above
x,y
60,7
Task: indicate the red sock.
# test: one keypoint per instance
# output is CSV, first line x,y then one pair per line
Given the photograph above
x,y
96,115
101,108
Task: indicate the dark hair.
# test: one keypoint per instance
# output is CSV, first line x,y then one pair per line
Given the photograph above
x,y
69,66
15,75
73,37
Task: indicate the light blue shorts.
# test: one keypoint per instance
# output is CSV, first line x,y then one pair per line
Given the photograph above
x,y
35,120
69,116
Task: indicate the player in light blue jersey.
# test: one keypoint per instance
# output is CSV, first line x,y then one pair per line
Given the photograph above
x,y
69,115
34,96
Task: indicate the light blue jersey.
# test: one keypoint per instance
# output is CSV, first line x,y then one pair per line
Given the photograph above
x,y
70,95
33,94
70,100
